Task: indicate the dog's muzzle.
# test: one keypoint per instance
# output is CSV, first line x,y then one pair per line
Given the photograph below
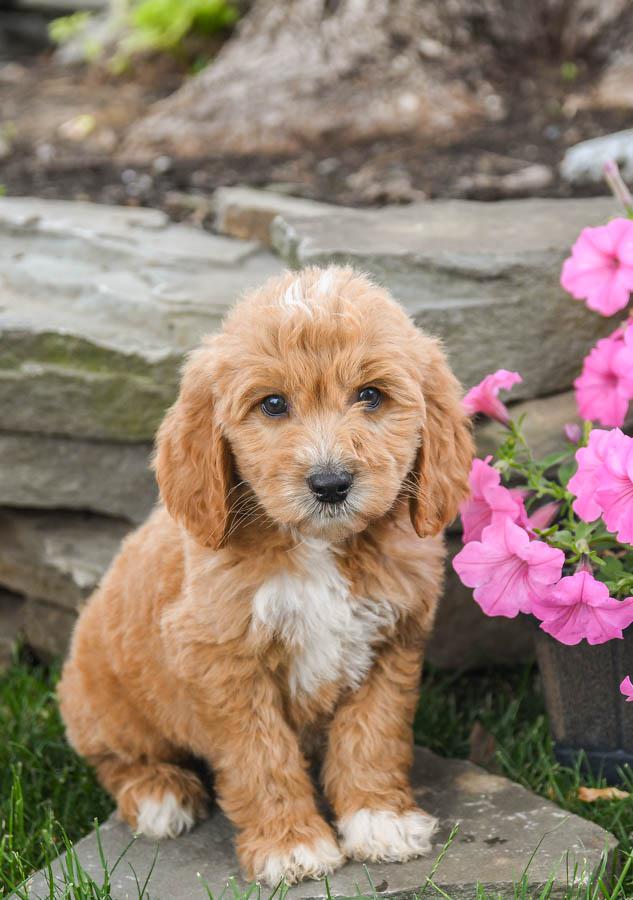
x,y
330,486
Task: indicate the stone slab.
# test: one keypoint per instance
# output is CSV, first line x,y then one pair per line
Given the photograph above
x,y
500,826
47,628
483,276
11,625
46,472
57,557
247,213
98,305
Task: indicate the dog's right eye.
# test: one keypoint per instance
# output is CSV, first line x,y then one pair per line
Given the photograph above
x,y
274,405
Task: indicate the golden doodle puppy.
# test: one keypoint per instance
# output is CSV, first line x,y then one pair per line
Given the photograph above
x,y
275,607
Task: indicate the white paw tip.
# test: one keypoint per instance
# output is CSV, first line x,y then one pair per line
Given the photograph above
x,y
301,861
165,818
379,834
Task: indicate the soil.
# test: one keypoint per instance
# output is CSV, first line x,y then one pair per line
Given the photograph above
x,y
62,128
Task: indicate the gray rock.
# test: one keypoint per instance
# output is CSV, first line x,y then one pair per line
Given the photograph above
x,y
464,638
43,472
248,213
583,163
98,306
47,628
500,826
58,557
11,626
482,276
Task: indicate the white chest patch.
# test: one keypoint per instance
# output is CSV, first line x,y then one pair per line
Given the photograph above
x,y
330,633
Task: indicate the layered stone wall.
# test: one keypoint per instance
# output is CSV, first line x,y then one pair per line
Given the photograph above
x,y
98,305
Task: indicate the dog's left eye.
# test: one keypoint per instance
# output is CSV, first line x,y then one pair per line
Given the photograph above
x,y
274,405
370,396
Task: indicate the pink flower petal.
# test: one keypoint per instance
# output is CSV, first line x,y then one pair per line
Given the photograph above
x,y
484,397
599,269
626,688
579,607
507,570
602,394
488,501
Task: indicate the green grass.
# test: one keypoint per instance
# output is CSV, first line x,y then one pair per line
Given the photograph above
x,y
43,785
49,798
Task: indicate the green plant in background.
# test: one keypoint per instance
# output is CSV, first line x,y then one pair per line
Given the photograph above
x,y
143,26
65,28
164,24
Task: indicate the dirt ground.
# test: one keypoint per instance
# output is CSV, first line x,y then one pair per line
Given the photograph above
x,y
61,129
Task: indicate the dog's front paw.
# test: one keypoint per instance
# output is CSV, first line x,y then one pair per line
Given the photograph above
x,y
380,834
298,861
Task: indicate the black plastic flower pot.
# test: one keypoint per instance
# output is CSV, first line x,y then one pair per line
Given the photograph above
x,y
589,717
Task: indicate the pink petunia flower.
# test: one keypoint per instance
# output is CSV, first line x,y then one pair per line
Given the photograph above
x,y
489,501
626,688
602,394
578,607
584,482
615,488
600,268
484,397
623,361
573,432
543,517
508,571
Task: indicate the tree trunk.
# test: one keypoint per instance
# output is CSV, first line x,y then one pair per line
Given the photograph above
x,y
305,72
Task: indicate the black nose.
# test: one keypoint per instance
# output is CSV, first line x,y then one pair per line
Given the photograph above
x,y
330,487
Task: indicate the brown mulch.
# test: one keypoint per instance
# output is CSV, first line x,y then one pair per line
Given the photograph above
x,y
41,103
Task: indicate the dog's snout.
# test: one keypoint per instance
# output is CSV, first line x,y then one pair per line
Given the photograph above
x,y
330,487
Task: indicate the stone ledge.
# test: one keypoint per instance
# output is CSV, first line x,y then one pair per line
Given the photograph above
x,y
56,557
482,276
99,306
44,472
500,822
11,625
248,213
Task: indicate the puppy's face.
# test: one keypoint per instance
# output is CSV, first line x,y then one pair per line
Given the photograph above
x,y
320,388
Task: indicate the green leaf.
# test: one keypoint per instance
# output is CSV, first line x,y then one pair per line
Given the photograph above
x,y
565,472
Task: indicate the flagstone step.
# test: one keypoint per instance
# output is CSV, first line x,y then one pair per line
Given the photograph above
x,y
504,830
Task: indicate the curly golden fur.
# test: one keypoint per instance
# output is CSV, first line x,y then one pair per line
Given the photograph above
x,y
251,625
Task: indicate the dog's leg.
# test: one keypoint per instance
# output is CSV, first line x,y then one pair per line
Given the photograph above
x,y
157,799
263,785
366,771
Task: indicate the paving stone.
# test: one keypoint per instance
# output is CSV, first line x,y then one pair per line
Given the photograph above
x,y
501,825
248,213
483,276
58,556
11,625
584,162
45,472
98,306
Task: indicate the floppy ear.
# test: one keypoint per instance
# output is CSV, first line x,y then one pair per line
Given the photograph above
x,y
443,461
193,461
